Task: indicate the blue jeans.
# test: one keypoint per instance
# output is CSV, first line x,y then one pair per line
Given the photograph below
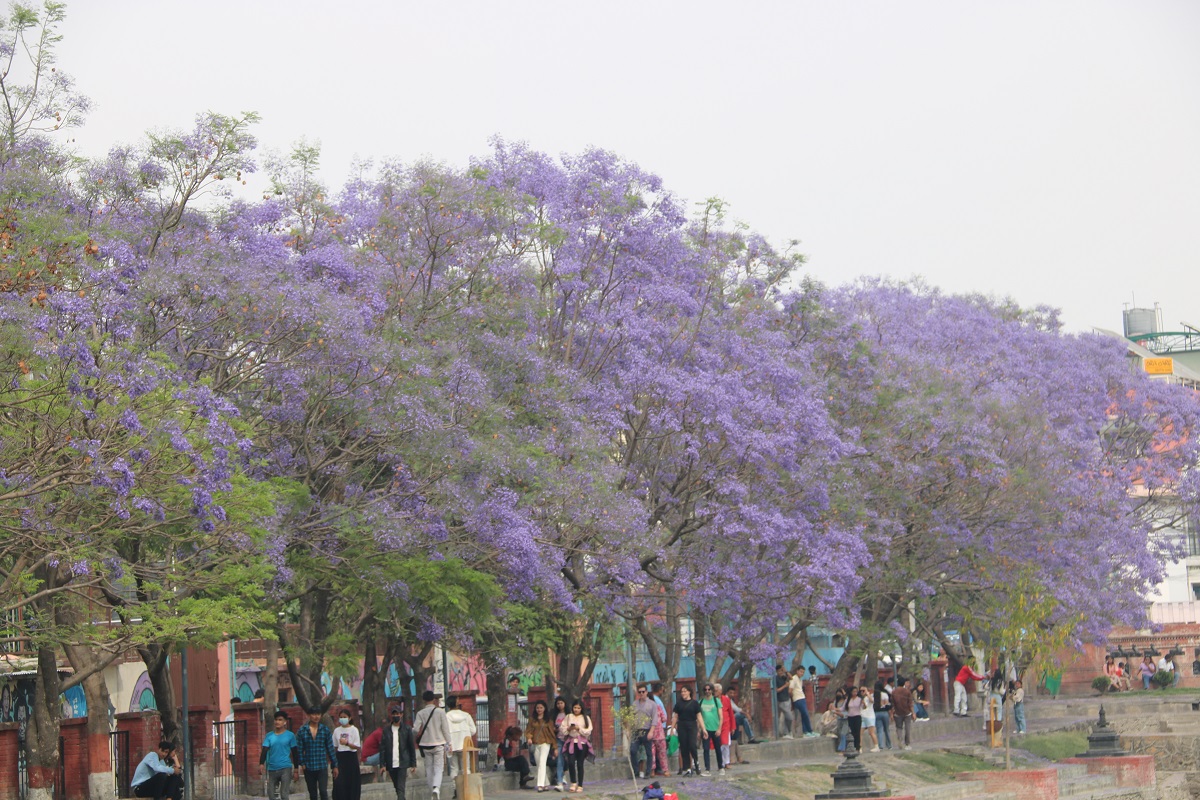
x,y
883,729
1145,681
802,707
1019,716
919,708
641,743
560,764
743,724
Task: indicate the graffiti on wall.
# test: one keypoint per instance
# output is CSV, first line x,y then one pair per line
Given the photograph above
x,y
246,686
142,698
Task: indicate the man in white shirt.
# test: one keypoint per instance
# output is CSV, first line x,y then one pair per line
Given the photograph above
x,y
461,726
432,732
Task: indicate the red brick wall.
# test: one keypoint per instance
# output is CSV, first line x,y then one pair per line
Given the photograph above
x,y
10,746
145,731
74,758
1132,771
1027,784
253,714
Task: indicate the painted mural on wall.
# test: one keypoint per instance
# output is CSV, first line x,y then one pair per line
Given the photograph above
x,y
16,703
142,698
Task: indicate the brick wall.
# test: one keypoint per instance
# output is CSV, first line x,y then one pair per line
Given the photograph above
x,y
1128,771
1026,784
74,758
253,714
10,747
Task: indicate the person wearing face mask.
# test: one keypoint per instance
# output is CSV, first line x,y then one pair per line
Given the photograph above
x,y
348,784
398,751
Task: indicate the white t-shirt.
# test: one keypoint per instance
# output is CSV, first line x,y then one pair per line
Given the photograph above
x,y
461,726
352,738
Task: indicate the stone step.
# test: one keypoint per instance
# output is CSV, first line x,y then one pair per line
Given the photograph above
x,y
1066,771
949,791
1084,786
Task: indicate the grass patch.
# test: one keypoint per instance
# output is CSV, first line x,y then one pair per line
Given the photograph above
x,y
947,763
1054,746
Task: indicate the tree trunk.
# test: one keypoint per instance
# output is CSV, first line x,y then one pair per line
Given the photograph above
x,y
497,694
270,681
871,671
43,729
846,666
157,660
699,654
374,700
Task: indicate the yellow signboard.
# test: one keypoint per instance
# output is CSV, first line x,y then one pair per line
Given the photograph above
x,y
1160,366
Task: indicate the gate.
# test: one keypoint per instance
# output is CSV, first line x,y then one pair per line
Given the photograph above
x,y
118,742
231,759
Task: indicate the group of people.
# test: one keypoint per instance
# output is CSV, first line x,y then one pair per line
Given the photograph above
x,y
1000,689
559,744
1118,673
320,753
856,709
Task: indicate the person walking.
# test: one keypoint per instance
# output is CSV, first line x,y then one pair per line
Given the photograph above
x,y
903,713
397,751
868,718
854,707
881,703
967,673
783,704
685,720
157,775
799,701
576,730
658,735
543,739
317,755
711,727
281,755
728,722
348,741
462,727
560,764
1018,700
645,718
433,739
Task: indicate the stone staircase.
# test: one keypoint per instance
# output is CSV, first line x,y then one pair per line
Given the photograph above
x,y
1073,782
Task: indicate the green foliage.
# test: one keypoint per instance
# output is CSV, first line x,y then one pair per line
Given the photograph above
x,y
1101,683
1163,678
1055,746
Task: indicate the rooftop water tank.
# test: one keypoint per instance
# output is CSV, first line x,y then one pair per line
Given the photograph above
x,y
1139,321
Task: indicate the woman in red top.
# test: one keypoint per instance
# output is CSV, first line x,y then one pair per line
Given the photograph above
x,y
730,721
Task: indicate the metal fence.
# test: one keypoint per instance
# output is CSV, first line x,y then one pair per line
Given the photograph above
x,y
60,777
118,743
231,759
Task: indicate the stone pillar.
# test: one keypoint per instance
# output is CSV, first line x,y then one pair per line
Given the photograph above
x,y
200,729
74,758
599,704
253,714
939,689
10,748
467,702
145,732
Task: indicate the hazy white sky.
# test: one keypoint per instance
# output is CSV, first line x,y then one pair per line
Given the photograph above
x,y
1044,150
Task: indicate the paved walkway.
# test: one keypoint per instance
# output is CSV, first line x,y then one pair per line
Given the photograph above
x,y
613,777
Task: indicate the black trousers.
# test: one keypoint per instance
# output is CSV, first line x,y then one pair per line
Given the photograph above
x,y
348,784
399,779
856,731
161,785
689,755
316,782
575,762
713,742
517,764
